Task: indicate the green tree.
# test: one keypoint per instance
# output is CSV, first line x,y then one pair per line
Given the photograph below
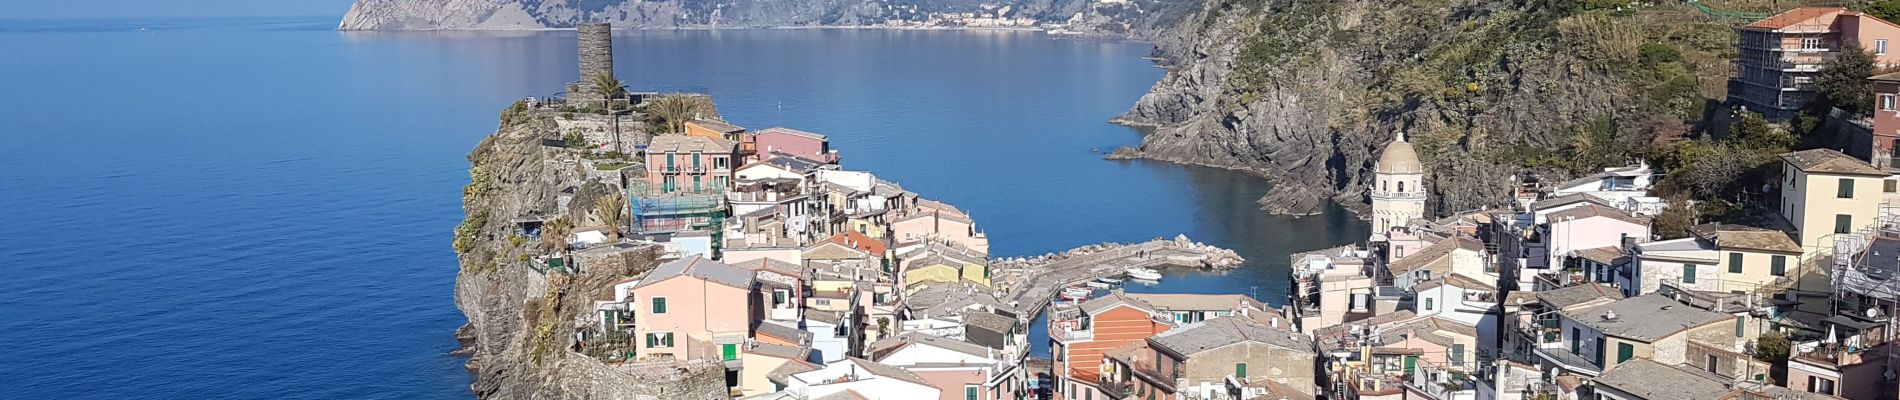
x,y
609,88
1843,81
1885,9
612,211
554,234
1755,133
1772,347
1674,222
675,110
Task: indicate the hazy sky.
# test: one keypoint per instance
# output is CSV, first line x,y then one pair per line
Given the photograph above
x,y
34,9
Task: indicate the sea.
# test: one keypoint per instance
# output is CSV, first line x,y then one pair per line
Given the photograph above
x,y
262,207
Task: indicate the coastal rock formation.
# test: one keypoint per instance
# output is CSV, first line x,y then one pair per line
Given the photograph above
x,y
522,318
1305,93
1087,17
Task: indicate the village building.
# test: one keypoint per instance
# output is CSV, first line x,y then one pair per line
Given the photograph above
x,y
1227,356
1717,258
1651,326
695,309
771,142
857,378
1333,286
1826,195
961,370
1781,57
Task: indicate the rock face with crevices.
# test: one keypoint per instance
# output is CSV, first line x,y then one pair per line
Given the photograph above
x,y
1306,93
522,319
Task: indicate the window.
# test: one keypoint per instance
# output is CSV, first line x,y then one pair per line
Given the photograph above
x,y
1712,363
1688,274
1457,355
1734,263
1576,340
1880,47
778,296
1624,351
1886,102
1401,186
696,160
659,305
1820,385
1778,266
1842,222
660,339
1428,304
669,161
1740,323
969,392
719,163
696,182
719,182
1846,190
1890,186
1811,43
1240,370
729,352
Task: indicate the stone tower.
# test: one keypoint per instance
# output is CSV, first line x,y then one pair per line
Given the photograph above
x,y
597,57
1398,190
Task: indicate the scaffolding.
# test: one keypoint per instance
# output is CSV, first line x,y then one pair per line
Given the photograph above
x,y
665,209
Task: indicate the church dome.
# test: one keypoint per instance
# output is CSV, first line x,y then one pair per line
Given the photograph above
x,y
1398,158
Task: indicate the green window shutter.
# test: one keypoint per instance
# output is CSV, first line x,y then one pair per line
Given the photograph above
x,y
653,340
668,339
659,305
969,393
1735,263
778,297
1411,363
696,184
1843,223
1240,370
1779,266
1688,273
1846,189
669,160
695,159
1739,323
1624,351
729,351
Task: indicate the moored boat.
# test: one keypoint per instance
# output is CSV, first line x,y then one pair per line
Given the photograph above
x,y
1144,273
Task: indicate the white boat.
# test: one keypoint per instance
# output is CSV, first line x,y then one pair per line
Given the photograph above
x,y
1099,285
1076,293
1144,273
1108,280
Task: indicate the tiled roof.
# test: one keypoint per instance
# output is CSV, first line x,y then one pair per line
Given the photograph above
x,y
1594,210
1650,380
1457,280
701,268
779,351
788,369
989,321
1825,161
886,346
1646,318
1567,199
717,125
1220,332
1194,302
1793,17
790,131
1605,254
881,369
786,333
1746,237
1568,296
686,144
1890,76
1112,300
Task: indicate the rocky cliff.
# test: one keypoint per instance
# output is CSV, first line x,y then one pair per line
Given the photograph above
x,y
522,317
1120,17
1306,93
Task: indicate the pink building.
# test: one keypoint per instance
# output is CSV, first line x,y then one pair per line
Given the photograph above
x,y
794,142
695,308
688,164
960,369
1886,120
1780,56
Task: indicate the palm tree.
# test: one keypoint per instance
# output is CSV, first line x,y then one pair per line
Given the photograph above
x,y
554,234
612,211
675,109
609,87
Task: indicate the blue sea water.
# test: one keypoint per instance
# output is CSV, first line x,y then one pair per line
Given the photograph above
x,y
261,207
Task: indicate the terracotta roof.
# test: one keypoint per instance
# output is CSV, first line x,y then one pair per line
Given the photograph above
x,y
1793,17
860,241
1825,161
1746,237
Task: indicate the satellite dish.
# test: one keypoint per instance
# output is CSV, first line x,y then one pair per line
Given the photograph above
x,y
1873,313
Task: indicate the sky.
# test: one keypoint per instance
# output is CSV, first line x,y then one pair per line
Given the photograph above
x,y
42,9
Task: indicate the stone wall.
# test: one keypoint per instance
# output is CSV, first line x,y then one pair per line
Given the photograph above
x,y
596,57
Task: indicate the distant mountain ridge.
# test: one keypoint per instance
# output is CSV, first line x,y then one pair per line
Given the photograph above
x,y
1089,17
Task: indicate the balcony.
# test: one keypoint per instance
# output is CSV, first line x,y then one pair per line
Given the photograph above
x,y
1073,335
1384,194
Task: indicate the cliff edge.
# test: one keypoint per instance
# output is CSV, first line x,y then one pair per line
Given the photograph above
x,y
1305,93
523,313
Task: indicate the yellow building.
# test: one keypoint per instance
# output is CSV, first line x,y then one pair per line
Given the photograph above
x,y
1751,258
942,269
1825,193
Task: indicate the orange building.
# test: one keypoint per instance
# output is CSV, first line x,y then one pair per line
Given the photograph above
x,y
1080,334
